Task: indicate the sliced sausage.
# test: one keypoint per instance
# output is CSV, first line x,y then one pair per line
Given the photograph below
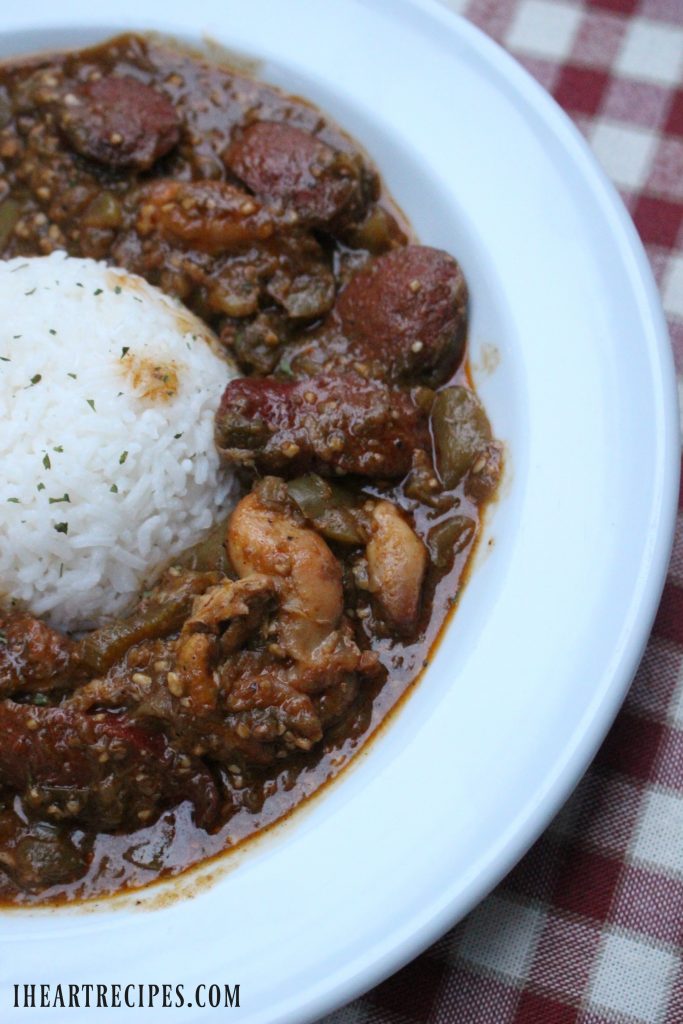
x,y
461,432
120,122
331,424
405,315
278,161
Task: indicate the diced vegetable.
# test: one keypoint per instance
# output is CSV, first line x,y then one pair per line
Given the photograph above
x,y
339,525
461,432
10,212
328,506
47,858
102,648
209,555
449,538
103,212
38,855
5,108
311,493
377,232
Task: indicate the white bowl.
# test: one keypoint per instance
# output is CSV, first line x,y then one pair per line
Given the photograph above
x,y
553,622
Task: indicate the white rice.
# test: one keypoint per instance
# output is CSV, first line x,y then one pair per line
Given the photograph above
x,y
108,391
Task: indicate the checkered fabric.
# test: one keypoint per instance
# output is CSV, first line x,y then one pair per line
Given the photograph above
x,y
588,928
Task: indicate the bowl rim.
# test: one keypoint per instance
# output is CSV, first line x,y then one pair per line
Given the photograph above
x,y
549,115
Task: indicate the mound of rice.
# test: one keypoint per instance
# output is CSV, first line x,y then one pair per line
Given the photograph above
x,y
108,390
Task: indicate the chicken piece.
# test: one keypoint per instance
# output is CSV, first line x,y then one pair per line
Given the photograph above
x,y
196,658
229,251
217,622
397,562
220,700
265,536
264,539
221,621
232,610
210,216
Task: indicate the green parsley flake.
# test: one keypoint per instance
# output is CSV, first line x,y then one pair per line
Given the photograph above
x,y
62,527
57,501
14,501
125,350
98,291
58,448
114,489
118,289
46,461
40,487
91,403
72,375
122,458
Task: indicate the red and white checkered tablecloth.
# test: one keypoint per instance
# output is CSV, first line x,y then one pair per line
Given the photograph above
x,y
588,928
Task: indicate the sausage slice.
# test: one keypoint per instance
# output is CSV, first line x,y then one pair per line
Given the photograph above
x,y
278,161
120,122
405,315
331,424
